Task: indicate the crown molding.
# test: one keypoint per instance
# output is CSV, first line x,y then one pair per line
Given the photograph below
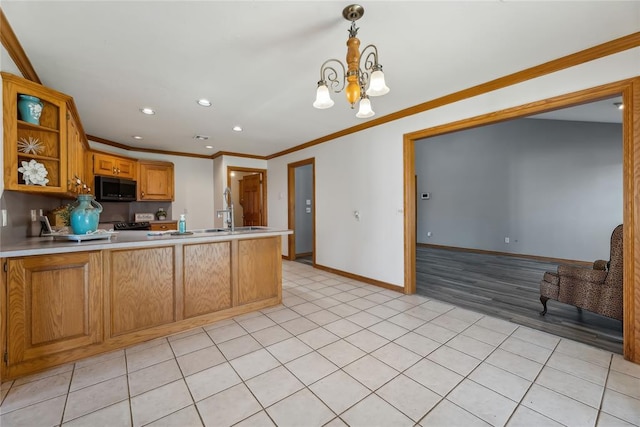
x,y
229,153
16,52
11,43
605,49
144,150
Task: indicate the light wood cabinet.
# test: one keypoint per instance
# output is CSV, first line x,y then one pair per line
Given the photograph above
x,y
155,180
54,305
50,135
206,285
63,307
76,153
260,269
141,289
164,226
109,165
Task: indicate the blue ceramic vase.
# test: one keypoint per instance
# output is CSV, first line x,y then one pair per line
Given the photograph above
x,y
85,216
30,108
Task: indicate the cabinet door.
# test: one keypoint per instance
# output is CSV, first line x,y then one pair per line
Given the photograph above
x,y
260,269
207,278
126,169
141,289
54,304
155,181
104,165
44,143
75,155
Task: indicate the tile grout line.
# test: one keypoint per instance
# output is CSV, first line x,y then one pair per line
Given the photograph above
x,y
604,390
315,296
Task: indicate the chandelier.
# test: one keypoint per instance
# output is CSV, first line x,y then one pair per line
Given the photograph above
x,y
358,79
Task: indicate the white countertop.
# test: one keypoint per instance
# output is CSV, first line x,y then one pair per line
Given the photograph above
x,y
128,239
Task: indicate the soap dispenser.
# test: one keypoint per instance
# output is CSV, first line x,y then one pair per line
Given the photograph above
x,y
182,224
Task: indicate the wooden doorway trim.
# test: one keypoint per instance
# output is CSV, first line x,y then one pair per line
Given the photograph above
x,y
291,190
630,91
263,173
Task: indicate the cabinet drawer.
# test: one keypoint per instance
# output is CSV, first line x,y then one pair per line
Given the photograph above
x,y
173,225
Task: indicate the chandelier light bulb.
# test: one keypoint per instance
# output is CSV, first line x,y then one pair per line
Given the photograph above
x,y
323,99
377,85
365,110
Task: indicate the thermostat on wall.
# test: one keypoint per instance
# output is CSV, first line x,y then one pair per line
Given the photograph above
x,y
425,196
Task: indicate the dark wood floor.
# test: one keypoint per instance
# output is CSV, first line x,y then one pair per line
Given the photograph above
x,y
508,288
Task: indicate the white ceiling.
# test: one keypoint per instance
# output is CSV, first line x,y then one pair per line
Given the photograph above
x,y
259,61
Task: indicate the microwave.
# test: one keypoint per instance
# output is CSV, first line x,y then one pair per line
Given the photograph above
x,y
110,189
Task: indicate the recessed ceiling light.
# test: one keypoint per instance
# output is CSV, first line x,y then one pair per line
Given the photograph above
x,y
136,137
147,110
201,137
204,102
208,146
620,105
237,129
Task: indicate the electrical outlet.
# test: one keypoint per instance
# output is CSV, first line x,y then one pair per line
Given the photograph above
x,y
506,240
428,234
4,218
33,215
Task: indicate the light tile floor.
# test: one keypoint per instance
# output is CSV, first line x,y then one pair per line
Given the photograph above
x,y
338,352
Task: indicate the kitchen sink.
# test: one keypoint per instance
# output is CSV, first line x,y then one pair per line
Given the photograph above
x,y
226,230
251,228
211,230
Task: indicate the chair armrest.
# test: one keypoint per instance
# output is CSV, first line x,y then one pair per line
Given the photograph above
x,y
581,273
600,264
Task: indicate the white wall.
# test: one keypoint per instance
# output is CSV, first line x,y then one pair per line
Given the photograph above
x,y
553,187
364,171
194,184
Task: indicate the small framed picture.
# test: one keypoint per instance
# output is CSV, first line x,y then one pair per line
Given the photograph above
x,y
45,226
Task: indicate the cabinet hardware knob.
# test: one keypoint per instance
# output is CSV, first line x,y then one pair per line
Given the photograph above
x,y
142,194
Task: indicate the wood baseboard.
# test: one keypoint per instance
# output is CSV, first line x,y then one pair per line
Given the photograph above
x,y
303,254
361,278
533,257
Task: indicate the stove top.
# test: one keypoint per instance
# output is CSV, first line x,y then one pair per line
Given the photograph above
x,y
132,225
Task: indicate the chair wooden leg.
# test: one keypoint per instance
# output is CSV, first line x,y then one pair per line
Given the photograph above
x,y
543,300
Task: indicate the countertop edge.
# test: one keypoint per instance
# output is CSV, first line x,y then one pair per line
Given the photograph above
x,y
124,240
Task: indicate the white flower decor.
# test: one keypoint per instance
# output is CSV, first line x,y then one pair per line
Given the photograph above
x,y
34,173
30,146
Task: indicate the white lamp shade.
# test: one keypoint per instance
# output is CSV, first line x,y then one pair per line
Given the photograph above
x,y
323,100
377,86
365,110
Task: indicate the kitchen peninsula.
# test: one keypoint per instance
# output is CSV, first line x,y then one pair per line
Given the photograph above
x,y
67,300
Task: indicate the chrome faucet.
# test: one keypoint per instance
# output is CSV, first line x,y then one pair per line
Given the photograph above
x,y
228,203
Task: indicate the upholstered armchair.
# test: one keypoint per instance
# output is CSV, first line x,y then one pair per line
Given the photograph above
x,y
598,289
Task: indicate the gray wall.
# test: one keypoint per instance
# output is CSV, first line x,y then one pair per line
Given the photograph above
x,y
19,206
304,220
553,187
